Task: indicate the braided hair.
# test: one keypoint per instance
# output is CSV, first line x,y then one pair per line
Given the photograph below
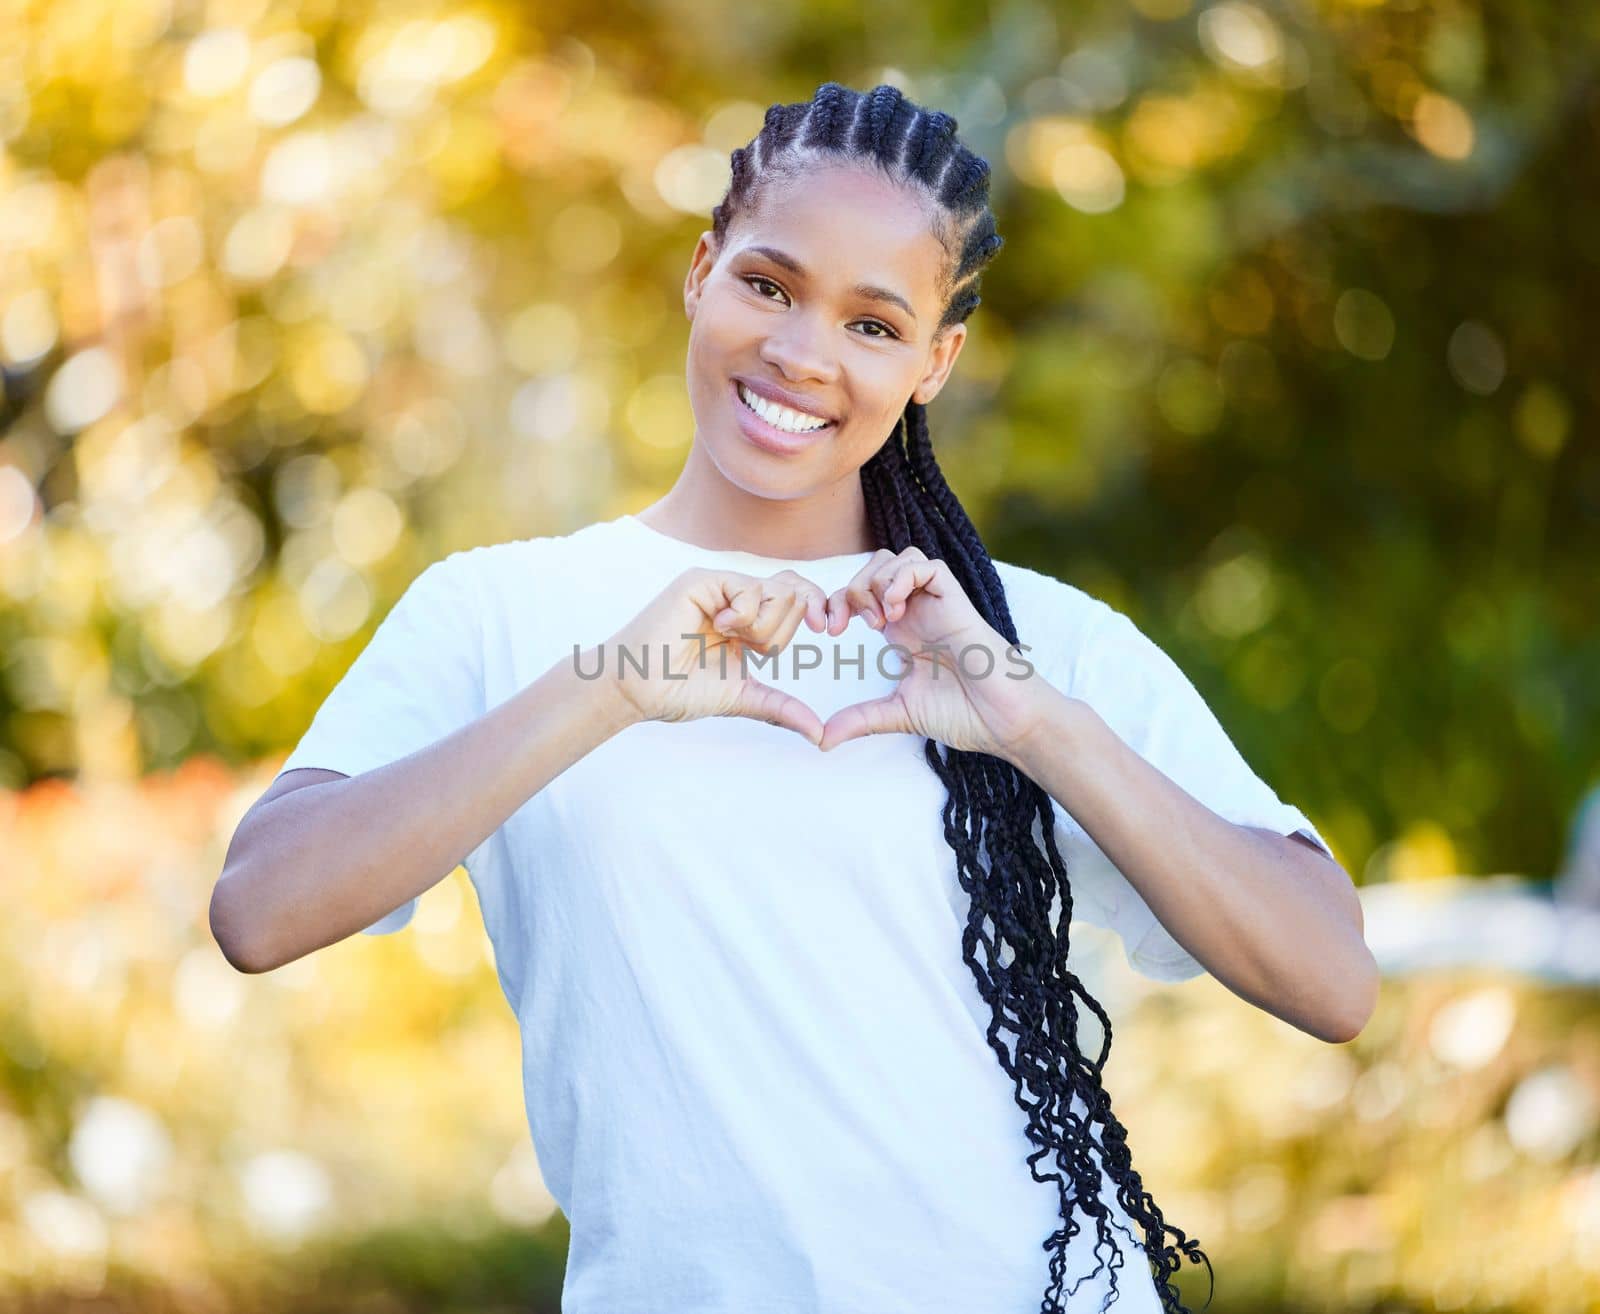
x,y
994,811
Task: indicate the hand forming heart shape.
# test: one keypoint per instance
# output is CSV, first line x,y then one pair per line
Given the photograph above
x,y
963,683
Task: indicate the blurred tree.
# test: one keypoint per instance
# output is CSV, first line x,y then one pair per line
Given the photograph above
x,y
1285,356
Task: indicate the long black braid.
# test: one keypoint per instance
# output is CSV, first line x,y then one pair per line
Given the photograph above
x,y
994,810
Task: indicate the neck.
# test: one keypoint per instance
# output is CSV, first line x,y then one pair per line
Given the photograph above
x,y
715,514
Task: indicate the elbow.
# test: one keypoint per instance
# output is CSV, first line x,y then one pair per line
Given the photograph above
x,y
1361,1001
228,930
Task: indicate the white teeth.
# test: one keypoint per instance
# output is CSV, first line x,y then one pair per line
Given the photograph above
x,y
780,417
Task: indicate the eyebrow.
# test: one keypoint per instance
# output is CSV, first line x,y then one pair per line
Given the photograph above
x,y
868,290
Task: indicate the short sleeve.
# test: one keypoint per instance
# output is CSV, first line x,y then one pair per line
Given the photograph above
x,y
418,680
1151,705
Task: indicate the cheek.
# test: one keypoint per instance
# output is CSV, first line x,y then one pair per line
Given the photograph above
x,y
888,388
723,333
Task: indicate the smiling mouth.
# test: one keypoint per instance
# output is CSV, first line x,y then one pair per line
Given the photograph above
x,y
745,395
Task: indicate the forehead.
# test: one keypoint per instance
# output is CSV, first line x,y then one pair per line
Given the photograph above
x,y
847,224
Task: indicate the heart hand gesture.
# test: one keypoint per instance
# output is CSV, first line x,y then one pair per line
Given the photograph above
x,y
961,684
699,627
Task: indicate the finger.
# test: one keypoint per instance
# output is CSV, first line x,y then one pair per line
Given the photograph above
x,y
791,622
759,607
770,611
862,603
772,627
840,611
837,612
879,588
739,603
809,605
761,702
857,593
816,609
815,613
878,716
902,583
877,585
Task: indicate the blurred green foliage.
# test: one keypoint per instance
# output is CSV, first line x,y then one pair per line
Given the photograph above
x,y
1287,354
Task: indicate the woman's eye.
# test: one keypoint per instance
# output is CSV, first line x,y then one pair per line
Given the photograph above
x,y
756,278
753,279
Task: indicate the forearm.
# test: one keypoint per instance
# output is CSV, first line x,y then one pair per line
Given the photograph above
x,y
1278,924
326,861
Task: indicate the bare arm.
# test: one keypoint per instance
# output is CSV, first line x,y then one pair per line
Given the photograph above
x,y
321,855
1280,927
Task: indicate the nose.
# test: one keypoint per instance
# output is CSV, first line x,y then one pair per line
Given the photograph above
x,y
800,349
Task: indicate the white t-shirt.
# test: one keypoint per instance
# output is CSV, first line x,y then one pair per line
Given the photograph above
x,y
754,1062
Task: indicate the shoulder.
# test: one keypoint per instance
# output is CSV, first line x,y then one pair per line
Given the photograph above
x,y
1057,619
1039,590
522,561
549,583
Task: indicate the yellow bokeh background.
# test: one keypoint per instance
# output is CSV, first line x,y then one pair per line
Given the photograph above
x,y
1286,356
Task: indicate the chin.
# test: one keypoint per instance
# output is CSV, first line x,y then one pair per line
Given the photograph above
x,y
754,474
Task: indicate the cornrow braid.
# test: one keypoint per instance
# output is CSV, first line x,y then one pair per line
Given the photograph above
x,y
880,105
999,822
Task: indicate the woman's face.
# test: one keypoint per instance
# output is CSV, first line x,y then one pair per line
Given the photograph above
x,y
786,305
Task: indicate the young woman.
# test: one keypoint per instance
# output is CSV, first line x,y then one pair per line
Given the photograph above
x,y
784,917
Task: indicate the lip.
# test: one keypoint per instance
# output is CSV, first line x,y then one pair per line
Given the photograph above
x,y
766,436
793,400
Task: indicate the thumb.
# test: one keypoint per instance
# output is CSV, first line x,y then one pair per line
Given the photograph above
x,y
877,716
761,702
